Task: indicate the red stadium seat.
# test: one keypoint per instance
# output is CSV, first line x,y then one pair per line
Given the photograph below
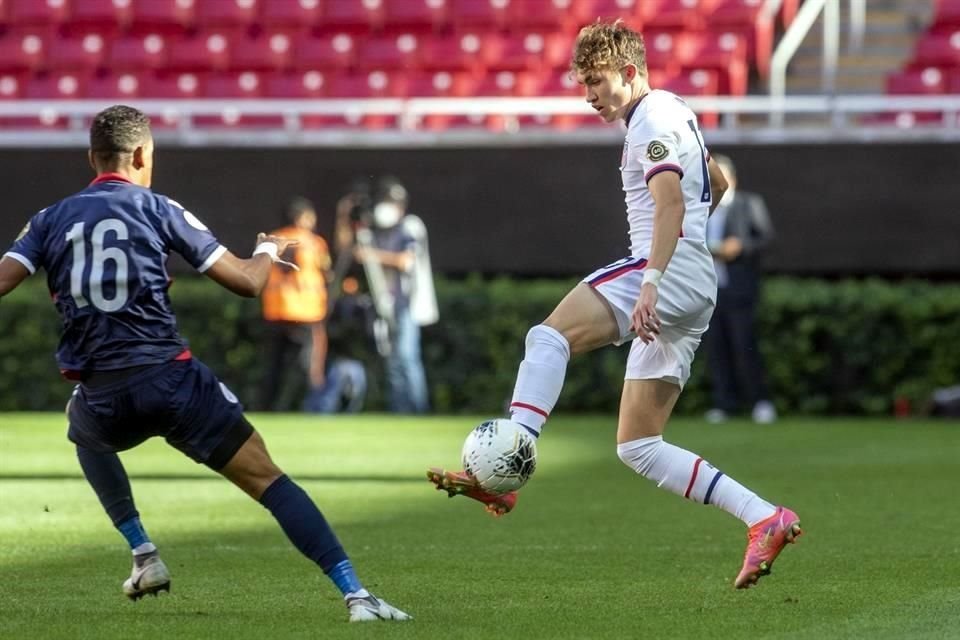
x,y
696,82
417,14
376,84
667,49
938,49
334,51
353,15
76,53
489,14
918,81
747,18
725,53
172,85
289,14
440,84
138,52
306,84
560,82
36,12
947,14
102,15
552,15
225,13
628,10
267,51
55,86
389,52
459,51
168,16
531,51
245,84
21,51
201,52
109,86
674,14
11,86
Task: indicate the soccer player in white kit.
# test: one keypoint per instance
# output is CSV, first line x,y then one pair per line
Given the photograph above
x,y
660,298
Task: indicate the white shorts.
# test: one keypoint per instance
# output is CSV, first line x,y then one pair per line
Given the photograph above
x,y
684,311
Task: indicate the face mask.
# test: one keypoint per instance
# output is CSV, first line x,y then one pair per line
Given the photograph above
x,y
386,215
728,196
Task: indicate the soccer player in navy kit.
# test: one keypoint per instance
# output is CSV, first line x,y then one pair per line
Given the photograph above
x,y
105,251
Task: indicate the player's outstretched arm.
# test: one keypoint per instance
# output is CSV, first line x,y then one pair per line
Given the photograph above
x,y
12,273
248,276
718,183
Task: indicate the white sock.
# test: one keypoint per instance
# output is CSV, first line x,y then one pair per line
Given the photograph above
x,y
146,547
688,475
540,377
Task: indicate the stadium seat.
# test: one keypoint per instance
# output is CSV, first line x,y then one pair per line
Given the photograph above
x,y
560,82
76,53
172,85
725,53
55,86
109,86
917,81
376,84
138,52
696,82
481,14
289,14
532,50
101,15
937,49
417,14
225,13
453,52
305,84
398,51
549,15
947,14
628,10
11,86
240,85
667,49
684,15
264,52
440,84
36,12
352,15
200,52
334,51
166,16
747,18
21,51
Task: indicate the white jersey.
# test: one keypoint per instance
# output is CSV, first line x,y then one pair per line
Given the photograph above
x,y
663,135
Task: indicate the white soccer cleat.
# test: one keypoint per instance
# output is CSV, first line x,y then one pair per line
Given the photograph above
x,y
152,577
367,608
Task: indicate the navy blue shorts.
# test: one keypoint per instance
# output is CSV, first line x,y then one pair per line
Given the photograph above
x,y
182,401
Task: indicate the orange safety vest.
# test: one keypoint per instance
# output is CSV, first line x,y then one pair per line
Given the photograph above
x,y
298,296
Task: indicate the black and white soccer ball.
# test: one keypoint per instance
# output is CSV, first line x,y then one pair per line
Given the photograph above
x,y
501,455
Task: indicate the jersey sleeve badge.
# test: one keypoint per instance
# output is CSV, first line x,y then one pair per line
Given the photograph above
x,y
657,151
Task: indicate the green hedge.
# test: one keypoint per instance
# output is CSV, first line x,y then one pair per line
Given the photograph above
x,y
831,347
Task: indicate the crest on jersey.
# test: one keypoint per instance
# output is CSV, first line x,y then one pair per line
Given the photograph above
x,y
657,151
23,232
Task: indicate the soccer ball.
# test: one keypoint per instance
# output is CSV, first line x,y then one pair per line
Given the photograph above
x,y
501,455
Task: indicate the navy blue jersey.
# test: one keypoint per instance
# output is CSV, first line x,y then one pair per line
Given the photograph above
x,y
105,252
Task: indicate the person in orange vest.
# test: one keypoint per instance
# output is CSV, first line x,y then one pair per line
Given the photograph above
x,y
295,308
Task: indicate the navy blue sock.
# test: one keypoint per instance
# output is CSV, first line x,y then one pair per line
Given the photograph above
x,y
309,532
109,480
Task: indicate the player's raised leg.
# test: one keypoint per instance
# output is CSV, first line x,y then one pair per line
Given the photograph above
x,y
581,322
109,480
254,472
645,407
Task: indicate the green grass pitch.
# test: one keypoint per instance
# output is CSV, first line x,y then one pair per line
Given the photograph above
x,y
592,550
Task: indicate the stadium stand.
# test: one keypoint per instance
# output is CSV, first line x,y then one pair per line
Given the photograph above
x,y
248,49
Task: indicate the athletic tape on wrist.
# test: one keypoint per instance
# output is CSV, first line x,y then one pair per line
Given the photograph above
x,y
652,276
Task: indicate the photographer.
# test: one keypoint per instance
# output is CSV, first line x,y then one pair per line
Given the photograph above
x,y
374,229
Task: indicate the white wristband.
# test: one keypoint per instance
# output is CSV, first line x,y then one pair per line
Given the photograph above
x,y
652,276
269,248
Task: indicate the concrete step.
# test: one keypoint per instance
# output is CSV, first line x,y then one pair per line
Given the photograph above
x,y
852,62
845,85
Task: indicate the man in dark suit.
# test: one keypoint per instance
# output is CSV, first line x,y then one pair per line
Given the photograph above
x,y
737,232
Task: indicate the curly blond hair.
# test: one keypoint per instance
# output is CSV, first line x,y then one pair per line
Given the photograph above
x,y
608,45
